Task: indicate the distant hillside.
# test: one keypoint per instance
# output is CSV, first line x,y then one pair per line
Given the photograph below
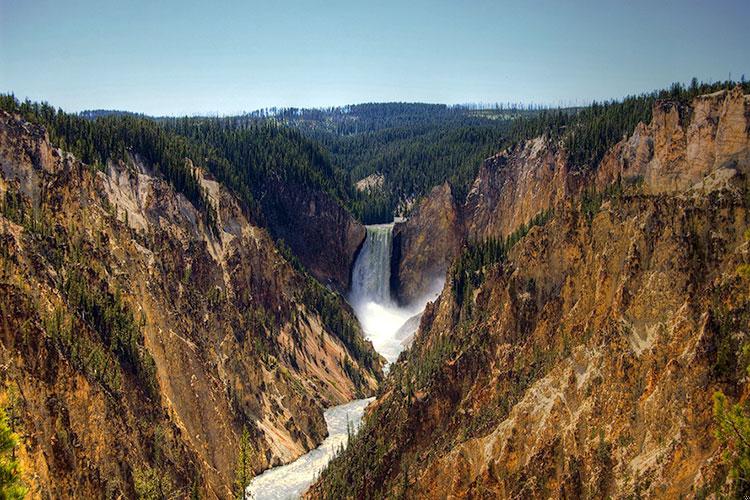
x,y
415,146
92,114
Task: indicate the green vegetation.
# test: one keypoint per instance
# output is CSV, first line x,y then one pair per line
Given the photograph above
x,y
414,146
470,268
85,354
733,432
244,470
112,137
151,484
11,487
108,315
255,153
341,322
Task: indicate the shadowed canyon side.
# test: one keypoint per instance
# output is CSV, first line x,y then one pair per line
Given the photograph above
x,y
579,356
320,232
425,245
140,339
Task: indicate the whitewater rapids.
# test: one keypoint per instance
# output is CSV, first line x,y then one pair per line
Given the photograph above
x,y
291,480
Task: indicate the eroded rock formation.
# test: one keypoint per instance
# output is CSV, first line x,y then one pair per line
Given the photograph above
x,y
582,364
425,245
138,342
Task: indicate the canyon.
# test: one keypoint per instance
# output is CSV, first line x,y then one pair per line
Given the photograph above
x,y
551,328
218,336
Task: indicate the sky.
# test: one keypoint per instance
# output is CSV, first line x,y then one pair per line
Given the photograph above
x,y
165,57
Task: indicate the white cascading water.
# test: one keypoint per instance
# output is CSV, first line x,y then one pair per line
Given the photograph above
x,y
290,481
372,271
385,324
380,317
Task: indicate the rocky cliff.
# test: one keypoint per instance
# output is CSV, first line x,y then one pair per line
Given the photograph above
x,y
510,189
138,342
320,232
683,145
425,245
515,185
580,362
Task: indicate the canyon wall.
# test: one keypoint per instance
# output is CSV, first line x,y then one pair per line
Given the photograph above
x,y
425,244
321,233
683,145
582,363
138,342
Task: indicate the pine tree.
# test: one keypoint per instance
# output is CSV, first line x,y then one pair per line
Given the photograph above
x,y
405,480
733,432
10,481
244,470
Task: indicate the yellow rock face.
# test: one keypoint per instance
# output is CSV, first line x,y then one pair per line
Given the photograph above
x,y
584,365
219,314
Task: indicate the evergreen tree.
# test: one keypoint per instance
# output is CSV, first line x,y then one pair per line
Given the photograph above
x,y
244,470
11,486
733,432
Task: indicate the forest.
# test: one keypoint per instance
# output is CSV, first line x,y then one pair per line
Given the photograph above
x,y
414,146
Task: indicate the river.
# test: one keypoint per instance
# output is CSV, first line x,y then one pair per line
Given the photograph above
x,y
388,326
291,480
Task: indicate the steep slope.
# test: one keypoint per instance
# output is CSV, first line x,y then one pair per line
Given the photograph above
x,y
679,147
321,233
581,361
683,144
138,341
290,184
515,185
425,245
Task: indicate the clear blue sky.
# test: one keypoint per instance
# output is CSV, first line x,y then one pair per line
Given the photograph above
x,y
171,57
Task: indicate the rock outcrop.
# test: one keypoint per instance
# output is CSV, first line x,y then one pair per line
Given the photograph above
x,y
517,184
683,144
425,245
371,182
137,342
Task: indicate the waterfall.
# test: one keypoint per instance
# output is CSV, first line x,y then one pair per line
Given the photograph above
x,y
371,298
371,277
387,326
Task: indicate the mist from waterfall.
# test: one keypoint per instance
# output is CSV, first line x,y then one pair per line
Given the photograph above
x,y
381,318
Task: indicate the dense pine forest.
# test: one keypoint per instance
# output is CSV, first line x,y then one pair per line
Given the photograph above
x,y
418,146
413,146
